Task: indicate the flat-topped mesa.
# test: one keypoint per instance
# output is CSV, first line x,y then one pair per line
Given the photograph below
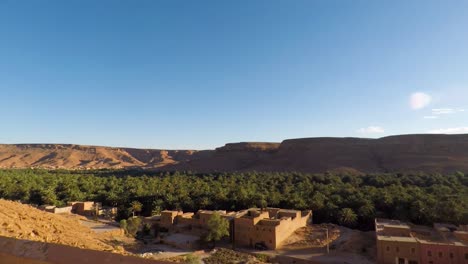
x,y
394,154
425,139
305,143
250,146
410,140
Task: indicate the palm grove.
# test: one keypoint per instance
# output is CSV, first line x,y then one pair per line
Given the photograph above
x,y
352,201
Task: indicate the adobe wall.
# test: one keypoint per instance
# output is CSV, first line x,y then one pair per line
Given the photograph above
x,y
248,231
265,234
82,208
289,225
63,210
168,217
458,252
462,252
187,221
284,229
204,217
462,235
242,232
388,251
33,252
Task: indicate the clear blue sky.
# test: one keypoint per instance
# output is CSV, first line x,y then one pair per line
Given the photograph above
x,y
198,74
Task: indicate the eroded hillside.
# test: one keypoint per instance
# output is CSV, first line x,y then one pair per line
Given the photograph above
x,y
86,157
406,153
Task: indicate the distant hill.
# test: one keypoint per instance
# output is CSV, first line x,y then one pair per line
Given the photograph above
x,y
405,153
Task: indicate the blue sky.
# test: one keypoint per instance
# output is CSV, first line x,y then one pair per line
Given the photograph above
x,y
198,74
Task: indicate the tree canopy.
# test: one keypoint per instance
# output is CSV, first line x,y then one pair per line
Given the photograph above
x,y
218,227
419,198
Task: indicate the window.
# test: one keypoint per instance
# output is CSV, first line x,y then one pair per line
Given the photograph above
x,y
413,250
431,262
413,262
451,255
388,248
397,249
429,253
466,255
401,261
440,254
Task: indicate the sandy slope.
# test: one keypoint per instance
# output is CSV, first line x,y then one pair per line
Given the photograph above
x,y
26,222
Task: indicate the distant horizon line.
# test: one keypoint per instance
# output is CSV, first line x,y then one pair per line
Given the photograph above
x,y
239,142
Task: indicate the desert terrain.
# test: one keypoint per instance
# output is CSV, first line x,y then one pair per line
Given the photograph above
x,y
405,153
25,222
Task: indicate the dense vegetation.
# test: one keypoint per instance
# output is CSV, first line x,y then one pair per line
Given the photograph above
x,y
349,200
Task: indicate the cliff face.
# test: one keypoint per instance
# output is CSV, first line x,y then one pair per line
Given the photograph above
x,y
83,157
431,153
428,153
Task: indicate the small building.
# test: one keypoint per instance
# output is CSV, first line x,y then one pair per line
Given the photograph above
x,y
84,208
247,228
56,210
167,219
404,243
269,227
63,210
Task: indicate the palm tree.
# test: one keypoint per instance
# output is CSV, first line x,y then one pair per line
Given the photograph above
x,y
136,207
347,217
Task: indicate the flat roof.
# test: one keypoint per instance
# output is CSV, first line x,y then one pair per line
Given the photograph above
x,y
288,211
418,233
398,226
396,238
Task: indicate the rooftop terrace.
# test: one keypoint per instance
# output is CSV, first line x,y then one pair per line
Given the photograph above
x,y
445,234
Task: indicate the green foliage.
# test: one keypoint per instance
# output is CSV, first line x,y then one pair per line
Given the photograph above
x,y
218,227
156,207
263,257
123,224
420,198
136,207
347,217
133,224
192,259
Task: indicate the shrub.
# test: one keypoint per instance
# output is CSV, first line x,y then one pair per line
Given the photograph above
x,y
133,224
192,259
